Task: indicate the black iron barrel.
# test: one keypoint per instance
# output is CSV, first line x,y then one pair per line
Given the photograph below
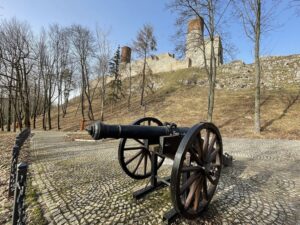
x,y
100,130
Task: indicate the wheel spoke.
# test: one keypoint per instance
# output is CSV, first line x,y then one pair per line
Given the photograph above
x,y
191,194
200,147
189,181
138,164
194,156
138,141
133,163
212,155
206,140
145,165
211,144
213,181
197,196
134,157
204,190
133,148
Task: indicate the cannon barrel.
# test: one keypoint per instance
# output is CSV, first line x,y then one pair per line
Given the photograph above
x,y
100,130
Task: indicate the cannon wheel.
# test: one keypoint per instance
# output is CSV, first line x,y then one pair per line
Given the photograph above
x,y
136,161
196,169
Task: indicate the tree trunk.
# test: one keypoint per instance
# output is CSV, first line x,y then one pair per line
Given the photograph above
x,y
44,114
2,121
49,103
58,113
65,105
34,121
9,109
212,92
143,82
20,118
129,96
1,118
27,114
49,115
88,94
15,122
213,72
1,112
82,94
102,99
257,69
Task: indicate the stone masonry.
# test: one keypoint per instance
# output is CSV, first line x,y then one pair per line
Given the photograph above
x,y
166,62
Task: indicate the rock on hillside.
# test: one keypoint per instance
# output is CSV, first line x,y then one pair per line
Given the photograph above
x,y
277,72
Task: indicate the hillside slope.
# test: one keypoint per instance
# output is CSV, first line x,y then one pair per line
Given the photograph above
x,y
181,97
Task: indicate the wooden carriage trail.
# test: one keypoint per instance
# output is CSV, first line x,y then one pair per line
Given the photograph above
x,y
82,183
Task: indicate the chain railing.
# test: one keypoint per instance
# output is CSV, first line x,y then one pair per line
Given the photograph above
x,y
20,139
17,179
19,197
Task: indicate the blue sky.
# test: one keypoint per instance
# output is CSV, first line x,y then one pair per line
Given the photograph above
x,y
125,17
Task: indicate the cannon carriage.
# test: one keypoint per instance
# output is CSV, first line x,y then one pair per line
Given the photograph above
x,y
197,155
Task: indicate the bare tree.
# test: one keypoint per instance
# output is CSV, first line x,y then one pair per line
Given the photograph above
x,y
143,45
83,43
2,105
60,50
103,55
210,13
36,98
256,18
46,61
295,4
43,70
16,52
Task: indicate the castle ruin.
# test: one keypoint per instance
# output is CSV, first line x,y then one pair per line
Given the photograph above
x,y
166,62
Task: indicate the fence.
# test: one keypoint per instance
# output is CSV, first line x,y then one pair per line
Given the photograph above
x,y
20,139
17,179
20,186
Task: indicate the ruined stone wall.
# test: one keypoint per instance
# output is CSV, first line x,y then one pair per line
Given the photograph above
x,y
277,72
157,64
167,62
195,51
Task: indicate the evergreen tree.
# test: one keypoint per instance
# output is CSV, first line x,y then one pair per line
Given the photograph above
x,y
116,84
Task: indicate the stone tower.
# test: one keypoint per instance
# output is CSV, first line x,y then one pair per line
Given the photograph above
x,y
194,47
125,54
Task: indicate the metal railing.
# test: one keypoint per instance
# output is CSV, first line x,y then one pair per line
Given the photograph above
x,y
17,179
20,139
20,186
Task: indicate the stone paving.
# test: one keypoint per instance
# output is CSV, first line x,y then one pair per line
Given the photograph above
x,y
82,183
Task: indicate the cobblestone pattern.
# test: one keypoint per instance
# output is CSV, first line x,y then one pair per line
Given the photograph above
x,y
82,183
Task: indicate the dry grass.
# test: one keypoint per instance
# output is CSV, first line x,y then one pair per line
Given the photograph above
x,y
187,105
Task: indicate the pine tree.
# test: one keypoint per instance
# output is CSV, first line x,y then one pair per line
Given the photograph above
x,y
116,84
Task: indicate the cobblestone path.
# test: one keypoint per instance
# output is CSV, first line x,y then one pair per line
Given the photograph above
x,y
82,183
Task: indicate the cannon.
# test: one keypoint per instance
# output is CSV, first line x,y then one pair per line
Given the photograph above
x,y
197,154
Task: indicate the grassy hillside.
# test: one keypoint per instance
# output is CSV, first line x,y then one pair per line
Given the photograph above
x,y
181,97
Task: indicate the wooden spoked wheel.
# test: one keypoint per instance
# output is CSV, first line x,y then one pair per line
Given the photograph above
x,y
196,169
134,155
